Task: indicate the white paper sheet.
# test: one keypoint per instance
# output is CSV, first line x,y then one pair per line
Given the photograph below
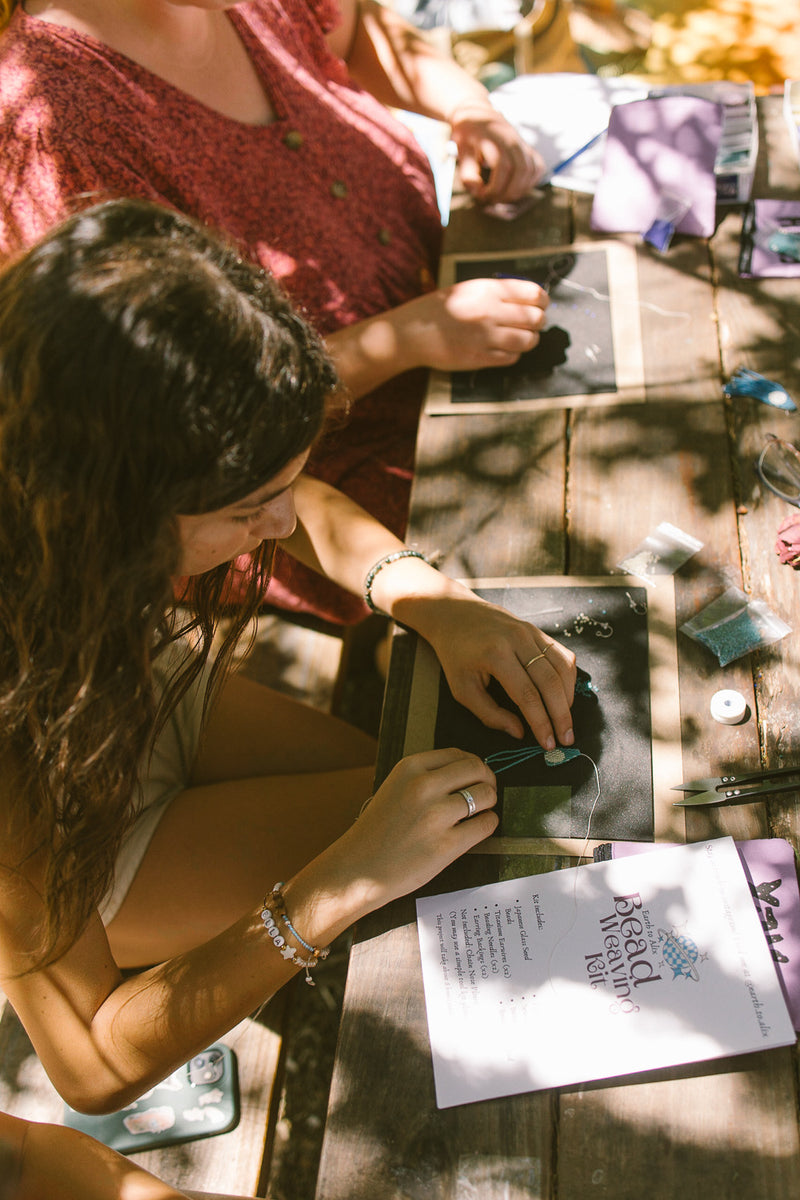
x,y
603,970
560,113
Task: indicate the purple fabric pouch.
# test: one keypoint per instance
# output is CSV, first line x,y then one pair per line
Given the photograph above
x,y
659,150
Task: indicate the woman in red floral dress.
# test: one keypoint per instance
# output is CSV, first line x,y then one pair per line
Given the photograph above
x,y
267,120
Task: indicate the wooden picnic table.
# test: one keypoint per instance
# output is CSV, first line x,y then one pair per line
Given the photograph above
x,y
570,491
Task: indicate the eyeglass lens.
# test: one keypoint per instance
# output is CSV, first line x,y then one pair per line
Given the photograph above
x,y
779,468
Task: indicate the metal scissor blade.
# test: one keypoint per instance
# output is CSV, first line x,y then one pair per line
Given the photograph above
x,y
730,781
699,799
737,795
698,785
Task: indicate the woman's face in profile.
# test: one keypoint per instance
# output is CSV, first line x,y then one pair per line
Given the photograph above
x,y
212,538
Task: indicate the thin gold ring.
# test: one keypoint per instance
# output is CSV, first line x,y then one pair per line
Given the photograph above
x,y
536,657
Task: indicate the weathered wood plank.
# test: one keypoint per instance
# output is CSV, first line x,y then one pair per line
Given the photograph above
x,y
390,1142
296,661
669,460
547,223
678,327
489,494
713,1131
488,490
672,466
628,472
777,168
760,329
716,1127
212,1195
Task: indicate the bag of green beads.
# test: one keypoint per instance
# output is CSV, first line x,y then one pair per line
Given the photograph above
x,y
733,625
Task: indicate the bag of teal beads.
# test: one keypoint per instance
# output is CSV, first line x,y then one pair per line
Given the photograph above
x,y
733,625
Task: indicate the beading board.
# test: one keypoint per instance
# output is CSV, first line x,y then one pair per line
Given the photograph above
x,y
626,719
590,351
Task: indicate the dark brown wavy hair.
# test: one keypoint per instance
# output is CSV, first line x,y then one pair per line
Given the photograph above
x,y
145,371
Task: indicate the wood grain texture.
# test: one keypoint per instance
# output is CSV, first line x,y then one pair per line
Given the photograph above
x,y
574,493
488,496
678,329
672,460
760,329
718,1131
385,1138
489,490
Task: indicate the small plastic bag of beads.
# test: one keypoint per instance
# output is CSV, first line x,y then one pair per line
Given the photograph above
x,y
733,625
661,553
671,210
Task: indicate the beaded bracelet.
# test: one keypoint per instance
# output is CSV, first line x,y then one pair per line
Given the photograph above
x,y
384,562
273,910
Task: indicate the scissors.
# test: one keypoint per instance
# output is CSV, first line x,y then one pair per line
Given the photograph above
x,y
738,789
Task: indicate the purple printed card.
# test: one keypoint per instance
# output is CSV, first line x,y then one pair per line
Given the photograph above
x,y
770,868
659,151
770,240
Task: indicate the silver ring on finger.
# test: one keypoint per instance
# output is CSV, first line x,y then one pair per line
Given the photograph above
x,y
472,807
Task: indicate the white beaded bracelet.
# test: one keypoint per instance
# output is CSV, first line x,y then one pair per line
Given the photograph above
x,y
273,910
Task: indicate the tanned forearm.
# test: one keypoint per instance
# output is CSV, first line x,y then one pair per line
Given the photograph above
x,y
392,60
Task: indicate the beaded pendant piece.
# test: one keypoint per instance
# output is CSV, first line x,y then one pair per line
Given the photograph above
x,y
744,382
503,760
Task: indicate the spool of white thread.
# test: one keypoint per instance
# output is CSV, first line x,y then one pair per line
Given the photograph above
x,y
728,707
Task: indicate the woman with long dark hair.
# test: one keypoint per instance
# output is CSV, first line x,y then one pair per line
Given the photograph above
x,y
158,400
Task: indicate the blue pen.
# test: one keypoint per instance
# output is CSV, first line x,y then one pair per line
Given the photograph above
x,y
571,159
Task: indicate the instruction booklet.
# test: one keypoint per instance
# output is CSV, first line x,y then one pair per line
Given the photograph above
x,y
598,971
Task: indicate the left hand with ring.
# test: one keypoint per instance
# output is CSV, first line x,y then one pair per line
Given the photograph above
x,y
476,641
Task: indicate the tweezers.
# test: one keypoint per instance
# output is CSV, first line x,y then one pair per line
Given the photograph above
x,y
738,789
